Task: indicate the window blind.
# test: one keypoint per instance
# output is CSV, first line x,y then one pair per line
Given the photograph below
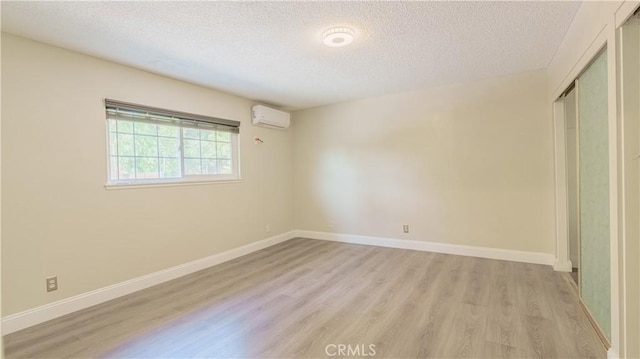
x,y
118,110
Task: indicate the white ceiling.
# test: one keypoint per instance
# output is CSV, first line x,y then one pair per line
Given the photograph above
x,y
272,51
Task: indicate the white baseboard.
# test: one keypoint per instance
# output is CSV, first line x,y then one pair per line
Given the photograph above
x,y
18,321
611,354
563,266
471,251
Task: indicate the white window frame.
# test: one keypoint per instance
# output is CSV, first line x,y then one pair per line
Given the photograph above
x,y
185,179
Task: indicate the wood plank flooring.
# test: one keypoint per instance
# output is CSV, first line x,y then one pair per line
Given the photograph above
x,y
303,298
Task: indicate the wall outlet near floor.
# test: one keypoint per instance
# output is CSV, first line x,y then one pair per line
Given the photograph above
x,y
267,228
52,283
405,228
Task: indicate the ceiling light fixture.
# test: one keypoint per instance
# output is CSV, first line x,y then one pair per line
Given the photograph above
x,y
338,36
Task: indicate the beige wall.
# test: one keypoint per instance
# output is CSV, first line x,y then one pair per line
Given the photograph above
x,y
58,219
467,164
630,123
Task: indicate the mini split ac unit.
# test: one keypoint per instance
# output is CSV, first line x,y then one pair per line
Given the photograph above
x,y
269,117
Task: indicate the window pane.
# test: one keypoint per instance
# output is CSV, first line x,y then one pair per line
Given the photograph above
x,y
126,168
146,168
209,167
208,149
169,147
125,145
113,168
145,129
112,125
223,136
168,131
190,133
192,167
169,168
224,150
191,148
152,148
113,144
224,167
146,146
125,127
208,135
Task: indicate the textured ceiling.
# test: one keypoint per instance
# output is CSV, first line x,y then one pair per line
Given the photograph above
x,y
272,51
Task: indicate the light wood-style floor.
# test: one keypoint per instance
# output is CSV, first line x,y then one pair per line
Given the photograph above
x,y
296,298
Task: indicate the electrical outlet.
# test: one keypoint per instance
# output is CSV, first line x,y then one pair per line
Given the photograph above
x,y
405,228
52,284
267,228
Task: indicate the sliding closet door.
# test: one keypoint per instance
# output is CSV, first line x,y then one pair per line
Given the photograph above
x,y
593,160
571,135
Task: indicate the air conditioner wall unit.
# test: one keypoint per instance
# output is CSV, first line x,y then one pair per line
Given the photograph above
x,y
270,117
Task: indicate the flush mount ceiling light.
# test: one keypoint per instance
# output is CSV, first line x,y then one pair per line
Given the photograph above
x,y
338,36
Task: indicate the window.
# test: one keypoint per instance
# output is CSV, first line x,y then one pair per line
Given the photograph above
x,y
151,145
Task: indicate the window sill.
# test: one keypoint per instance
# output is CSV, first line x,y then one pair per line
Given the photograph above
x,y
119,186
